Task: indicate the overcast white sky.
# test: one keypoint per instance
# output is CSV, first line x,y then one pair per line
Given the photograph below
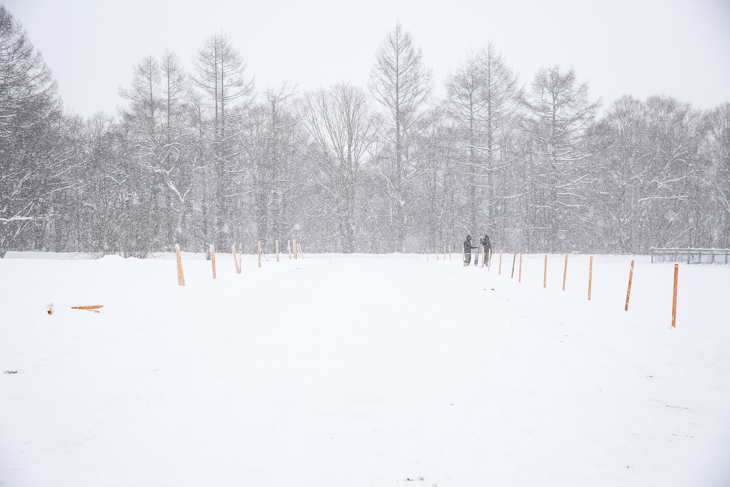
x,y
679,48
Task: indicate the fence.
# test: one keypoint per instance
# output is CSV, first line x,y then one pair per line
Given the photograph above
x,y
691,256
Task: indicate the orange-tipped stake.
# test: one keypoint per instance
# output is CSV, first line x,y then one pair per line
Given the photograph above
x,y
520,279
277,251
628,292
514,258
212,258
295,248
674,300
50,309
500,262
565,271
544,279
180,275
590,277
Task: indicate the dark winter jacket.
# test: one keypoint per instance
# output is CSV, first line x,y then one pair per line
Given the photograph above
x,y
486,243
467,245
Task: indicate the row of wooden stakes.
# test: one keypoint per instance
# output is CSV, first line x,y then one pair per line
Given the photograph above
x,y
297,254
488,258
590,280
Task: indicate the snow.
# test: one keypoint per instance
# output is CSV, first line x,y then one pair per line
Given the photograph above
x,y
362,370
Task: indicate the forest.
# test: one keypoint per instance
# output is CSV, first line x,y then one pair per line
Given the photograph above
x,y
199,155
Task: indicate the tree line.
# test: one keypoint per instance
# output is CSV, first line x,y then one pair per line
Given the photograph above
x,y
198,156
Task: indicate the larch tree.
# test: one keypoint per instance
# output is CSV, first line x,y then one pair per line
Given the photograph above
x,y
219,74
281,141
144,118
33,161
402,85
560,114
180,164
157,120
464,106
483,102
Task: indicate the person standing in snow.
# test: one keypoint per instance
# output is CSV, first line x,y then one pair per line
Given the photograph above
x,y
487,245
467,250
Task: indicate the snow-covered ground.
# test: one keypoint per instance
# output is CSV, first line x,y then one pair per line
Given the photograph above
x,y
362,370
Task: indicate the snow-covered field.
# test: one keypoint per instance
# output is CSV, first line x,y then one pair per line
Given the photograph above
x,y
362,370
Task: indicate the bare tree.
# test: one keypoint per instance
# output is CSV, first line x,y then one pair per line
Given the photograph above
x,y
483,105
32,160
219,74
560,116
717,148
401,84
465,107
342,129
280,145
161,140
174,88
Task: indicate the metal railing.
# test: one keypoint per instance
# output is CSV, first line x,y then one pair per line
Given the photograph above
x,y
691,256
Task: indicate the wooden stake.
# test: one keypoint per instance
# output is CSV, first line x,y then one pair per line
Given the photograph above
x,y
437,254
628,292
288,247
565,271
259,254
484,255
489,260
240,251
500,262
674,299
520,278
180,275
50,309
590,277
212,258
463,254
277,251
295,248
514,258
235,261
544,279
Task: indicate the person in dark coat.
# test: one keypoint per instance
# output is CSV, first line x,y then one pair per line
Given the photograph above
x,y
487,245
467,250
